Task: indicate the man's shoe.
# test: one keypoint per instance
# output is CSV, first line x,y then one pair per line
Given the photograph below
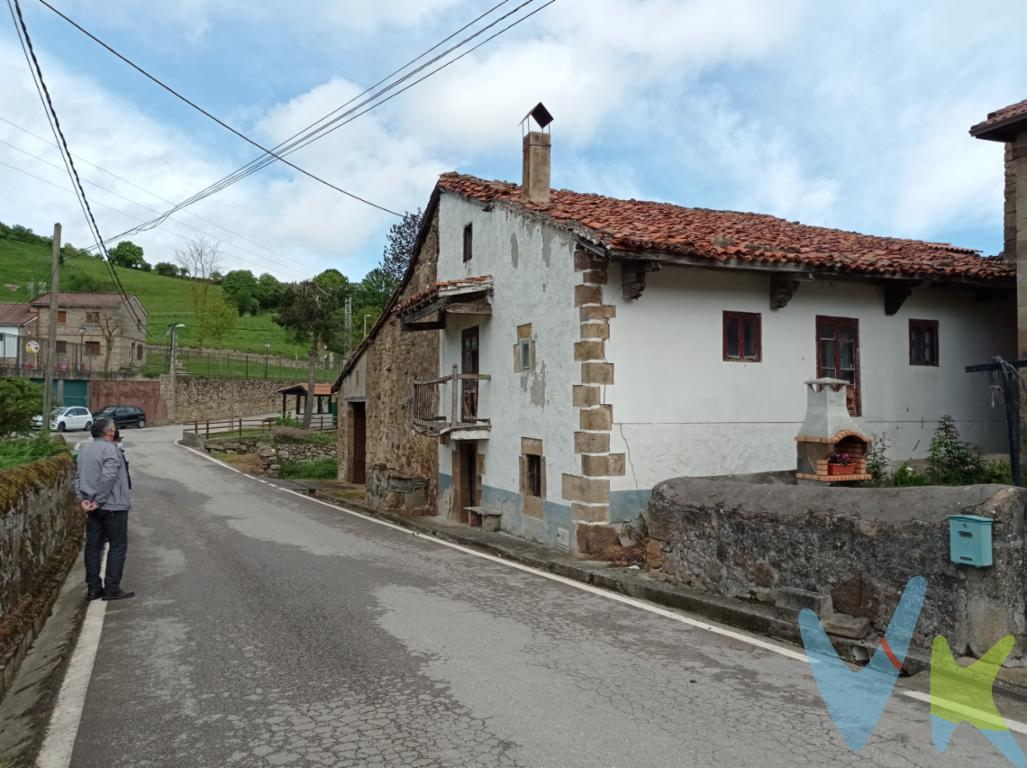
x,y
119,595
94,595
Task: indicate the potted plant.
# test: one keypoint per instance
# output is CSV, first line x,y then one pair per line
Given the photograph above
x,y
840,463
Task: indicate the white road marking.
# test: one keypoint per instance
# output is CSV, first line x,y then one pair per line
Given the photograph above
x,y
67,715
1014,725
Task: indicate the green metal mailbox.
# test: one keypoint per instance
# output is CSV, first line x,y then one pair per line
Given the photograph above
x,y
970,540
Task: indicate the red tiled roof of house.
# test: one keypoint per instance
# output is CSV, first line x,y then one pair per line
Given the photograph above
x,y
999,119
15,314
80,300
634,226
428,294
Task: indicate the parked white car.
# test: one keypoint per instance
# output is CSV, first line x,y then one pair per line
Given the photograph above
x,y
66,419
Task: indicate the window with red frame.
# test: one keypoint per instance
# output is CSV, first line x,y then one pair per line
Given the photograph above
x,y
923,342
743,337
838,355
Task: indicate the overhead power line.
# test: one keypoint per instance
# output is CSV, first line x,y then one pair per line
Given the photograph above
x,y
321,128
216,119
150,192
21,29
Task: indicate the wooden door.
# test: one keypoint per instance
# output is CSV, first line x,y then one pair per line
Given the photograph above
x,y
359,448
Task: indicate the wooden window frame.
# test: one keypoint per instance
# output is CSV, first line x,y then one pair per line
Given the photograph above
x,y
92,349
62,317
533,480
62,347
856,405
931,325
93,318
468,242
741,317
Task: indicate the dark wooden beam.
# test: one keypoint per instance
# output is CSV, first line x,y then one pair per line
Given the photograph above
x,y
427,309
431,325
633,277
782,288
895,296
480,306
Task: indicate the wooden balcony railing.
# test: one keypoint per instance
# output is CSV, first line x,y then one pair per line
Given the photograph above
x,y
448,403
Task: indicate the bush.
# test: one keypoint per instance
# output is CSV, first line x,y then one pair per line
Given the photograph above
x,y
952,461
906,476
20,400
877,459
318,469
28,449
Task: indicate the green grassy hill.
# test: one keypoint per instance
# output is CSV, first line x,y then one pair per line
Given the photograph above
x,y
166,299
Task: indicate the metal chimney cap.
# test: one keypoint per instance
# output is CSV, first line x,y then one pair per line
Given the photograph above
x,y
540,115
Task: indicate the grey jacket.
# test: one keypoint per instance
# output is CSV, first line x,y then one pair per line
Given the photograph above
x,y
103,475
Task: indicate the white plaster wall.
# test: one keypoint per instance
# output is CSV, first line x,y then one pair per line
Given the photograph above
x,y
354,386
679,409
533,269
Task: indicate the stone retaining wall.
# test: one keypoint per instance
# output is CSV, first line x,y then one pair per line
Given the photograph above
x,y
272,452
40,535
846,553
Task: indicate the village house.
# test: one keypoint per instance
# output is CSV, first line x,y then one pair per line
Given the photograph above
x,y
96,332
14,322
567,351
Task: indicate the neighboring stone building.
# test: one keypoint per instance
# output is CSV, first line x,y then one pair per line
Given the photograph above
x,y
111,334
589,348
376,443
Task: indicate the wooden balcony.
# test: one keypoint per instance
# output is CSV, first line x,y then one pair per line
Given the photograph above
x,y
449,406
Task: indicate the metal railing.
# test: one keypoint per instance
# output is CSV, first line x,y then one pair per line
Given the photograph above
x,y
319,422
448,403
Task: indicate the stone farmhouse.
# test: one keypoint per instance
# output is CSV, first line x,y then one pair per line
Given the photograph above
x,y
111,337
552,355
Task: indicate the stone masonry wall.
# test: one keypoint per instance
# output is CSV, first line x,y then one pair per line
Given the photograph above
x,y
846,553
207,397
397,358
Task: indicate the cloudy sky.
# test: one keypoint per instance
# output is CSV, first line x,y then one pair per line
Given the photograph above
x,y
849,115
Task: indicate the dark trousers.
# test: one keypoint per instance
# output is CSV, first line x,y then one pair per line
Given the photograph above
x,y
106,526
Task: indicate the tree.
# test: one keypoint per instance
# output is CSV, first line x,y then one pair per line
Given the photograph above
x,y
399,249
20,400
202,259
165,268
240,288
128,254
111,329
308,313
375,289
269,291
219,319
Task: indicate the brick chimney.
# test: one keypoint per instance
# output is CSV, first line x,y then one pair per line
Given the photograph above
x,y
1009,125
536,167
536,161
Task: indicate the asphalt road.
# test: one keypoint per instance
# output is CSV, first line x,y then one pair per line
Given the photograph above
x,y
271,630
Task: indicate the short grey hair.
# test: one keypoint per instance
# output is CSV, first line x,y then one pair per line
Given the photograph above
x,y
101,425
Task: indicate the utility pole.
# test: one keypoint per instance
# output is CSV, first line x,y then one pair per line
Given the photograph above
x,y
173,330
51,341
349,322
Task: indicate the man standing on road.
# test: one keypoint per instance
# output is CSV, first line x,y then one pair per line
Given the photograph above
x,y
103,487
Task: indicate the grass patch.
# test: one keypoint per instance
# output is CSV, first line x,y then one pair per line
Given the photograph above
x,y
166,299
318,469
17,451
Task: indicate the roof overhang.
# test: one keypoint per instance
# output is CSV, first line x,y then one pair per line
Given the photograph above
x,y
1001,130
458,299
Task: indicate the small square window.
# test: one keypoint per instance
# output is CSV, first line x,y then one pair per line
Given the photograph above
x,y
533,475
62,347
468,242
923,342
93,317
742,337
92,349
62,317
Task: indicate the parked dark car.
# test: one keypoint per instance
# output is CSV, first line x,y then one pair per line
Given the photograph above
x,y
124,415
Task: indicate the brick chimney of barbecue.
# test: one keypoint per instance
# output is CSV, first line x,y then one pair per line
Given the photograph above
x,y
1009,125
535,176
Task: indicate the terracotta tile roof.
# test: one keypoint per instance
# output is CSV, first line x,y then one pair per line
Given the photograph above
x,y
1000,119
632,226
80,300
429,294
16,314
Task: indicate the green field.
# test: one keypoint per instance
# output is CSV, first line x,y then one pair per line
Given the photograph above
x,y
166,299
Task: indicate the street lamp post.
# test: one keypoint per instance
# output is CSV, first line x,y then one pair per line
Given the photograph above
x,y
81,347
267,351
173,332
